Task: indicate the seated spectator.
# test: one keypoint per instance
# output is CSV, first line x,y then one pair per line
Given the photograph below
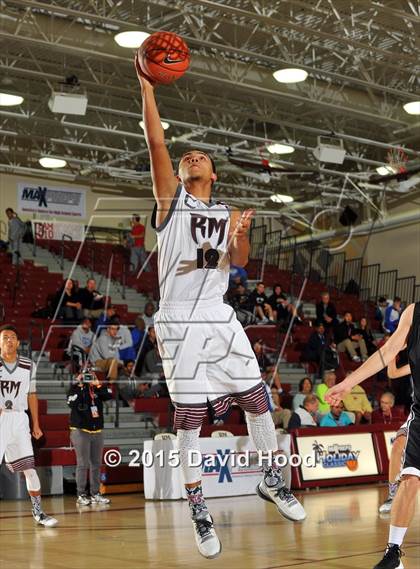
x,y
392,316
125,350
336,417
153,372
130,387
326,312
148,344
357,402
260,306
260,353
68,303
148,315
239,300
138,333
306,415
348,340
276,300
281,417
81,342
237,276
386,412
381,306
104,353
91,300
285,312
104,319
305,388
321,389
367,335
320,350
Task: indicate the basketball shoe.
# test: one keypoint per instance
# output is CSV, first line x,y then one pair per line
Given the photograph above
x,y
385,508
273,489
99,499
83,500
391,558
205,535
44,520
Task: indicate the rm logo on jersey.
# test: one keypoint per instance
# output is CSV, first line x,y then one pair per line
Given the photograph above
x,y
10,388
206,226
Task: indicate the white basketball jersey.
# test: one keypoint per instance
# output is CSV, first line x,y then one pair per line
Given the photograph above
x,y
193,261
16,382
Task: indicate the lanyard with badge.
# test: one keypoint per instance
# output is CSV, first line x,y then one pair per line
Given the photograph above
x,y
93,408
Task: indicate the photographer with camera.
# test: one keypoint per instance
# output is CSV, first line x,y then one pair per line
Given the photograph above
x,y
85,398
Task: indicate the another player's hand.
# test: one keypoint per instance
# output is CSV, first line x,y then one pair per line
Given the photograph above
x,y
37,433
337,393
144,81
244,223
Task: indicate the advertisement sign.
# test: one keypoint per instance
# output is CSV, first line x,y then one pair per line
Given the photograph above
x,y
51,200
229,467
58,229
338,456
389,439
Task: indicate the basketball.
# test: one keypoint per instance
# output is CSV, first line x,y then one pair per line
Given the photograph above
x,y
164,57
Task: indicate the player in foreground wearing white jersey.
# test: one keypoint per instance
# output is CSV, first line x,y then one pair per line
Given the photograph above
x,y
205,352
17,392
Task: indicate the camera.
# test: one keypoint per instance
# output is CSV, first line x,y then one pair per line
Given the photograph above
x,y
87,377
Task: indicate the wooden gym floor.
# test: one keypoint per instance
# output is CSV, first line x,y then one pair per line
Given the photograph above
x,y
343,530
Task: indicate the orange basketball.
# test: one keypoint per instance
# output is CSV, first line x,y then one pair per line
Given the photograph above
x,y
164,57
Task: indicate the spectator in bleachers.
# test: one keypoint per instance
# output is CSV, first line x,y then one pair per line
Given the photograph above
x,y
336,417
149,314
138,333
306,415
237,276
127,382
148,344
305,388
348,340
381,307
321,389
357,402
81,342
386,412
276,300
238,298
104,353
68,302
284,311
135,241
316,344
326,312
153,373
16,231
263,358
126,350
260,306
392,315
280,416
104,319
366,333
92,301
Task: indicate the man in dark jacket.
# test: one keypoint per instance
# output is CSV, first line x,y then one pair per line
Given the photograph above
x,y
85,399
92,301
348,340
326,312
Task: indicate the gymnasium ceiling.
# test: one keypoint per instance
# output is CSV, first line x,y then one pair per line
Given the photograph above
x,y
363,63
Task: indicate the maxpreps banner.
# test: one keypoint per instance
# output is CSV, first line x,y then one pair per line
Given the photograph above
x,y
51,200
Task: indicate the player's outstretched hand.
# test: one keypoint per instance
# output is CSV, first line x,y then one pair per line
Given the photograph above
x,y
37,433
144,81
337,393
244,223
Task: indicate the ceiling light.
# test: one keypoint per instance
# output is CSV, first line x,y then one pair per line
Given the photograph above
x,y
412,108
48,162
290,75
131,39
384,170
165,125
280,148
280,198
7,100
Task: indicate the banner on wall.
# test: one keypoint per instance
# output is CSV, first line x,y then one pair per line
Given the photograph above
x,y
389,439
51,200
338,456
58,229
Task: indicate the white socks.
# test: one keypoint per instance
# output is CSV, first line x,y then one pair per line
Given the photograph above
x,y
396,535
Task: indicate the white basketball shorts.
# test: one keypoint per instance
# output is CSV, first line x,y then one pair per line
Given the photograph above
x,y
15,441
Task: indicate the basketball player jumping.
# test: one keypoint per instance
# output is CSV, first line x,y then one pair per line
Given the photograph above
x,y
205,352
405,500
17,392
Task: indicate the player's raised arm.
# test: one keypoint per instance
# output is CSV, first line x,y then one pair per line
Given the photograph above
x,y
238,237
377,361
163,177
395,372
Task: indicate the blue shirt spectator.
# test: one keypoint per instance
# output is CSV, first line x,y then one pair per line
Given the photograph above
x,y
104,319
336,417
392,315
237,276
138,333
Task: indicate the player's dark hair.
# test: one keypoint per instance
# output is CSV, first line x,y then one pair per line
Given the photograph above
x,y
10,328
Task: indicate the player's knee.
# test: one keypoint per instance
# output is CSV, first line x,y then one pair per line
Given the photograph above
x,y
262,420
32,480
410,483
